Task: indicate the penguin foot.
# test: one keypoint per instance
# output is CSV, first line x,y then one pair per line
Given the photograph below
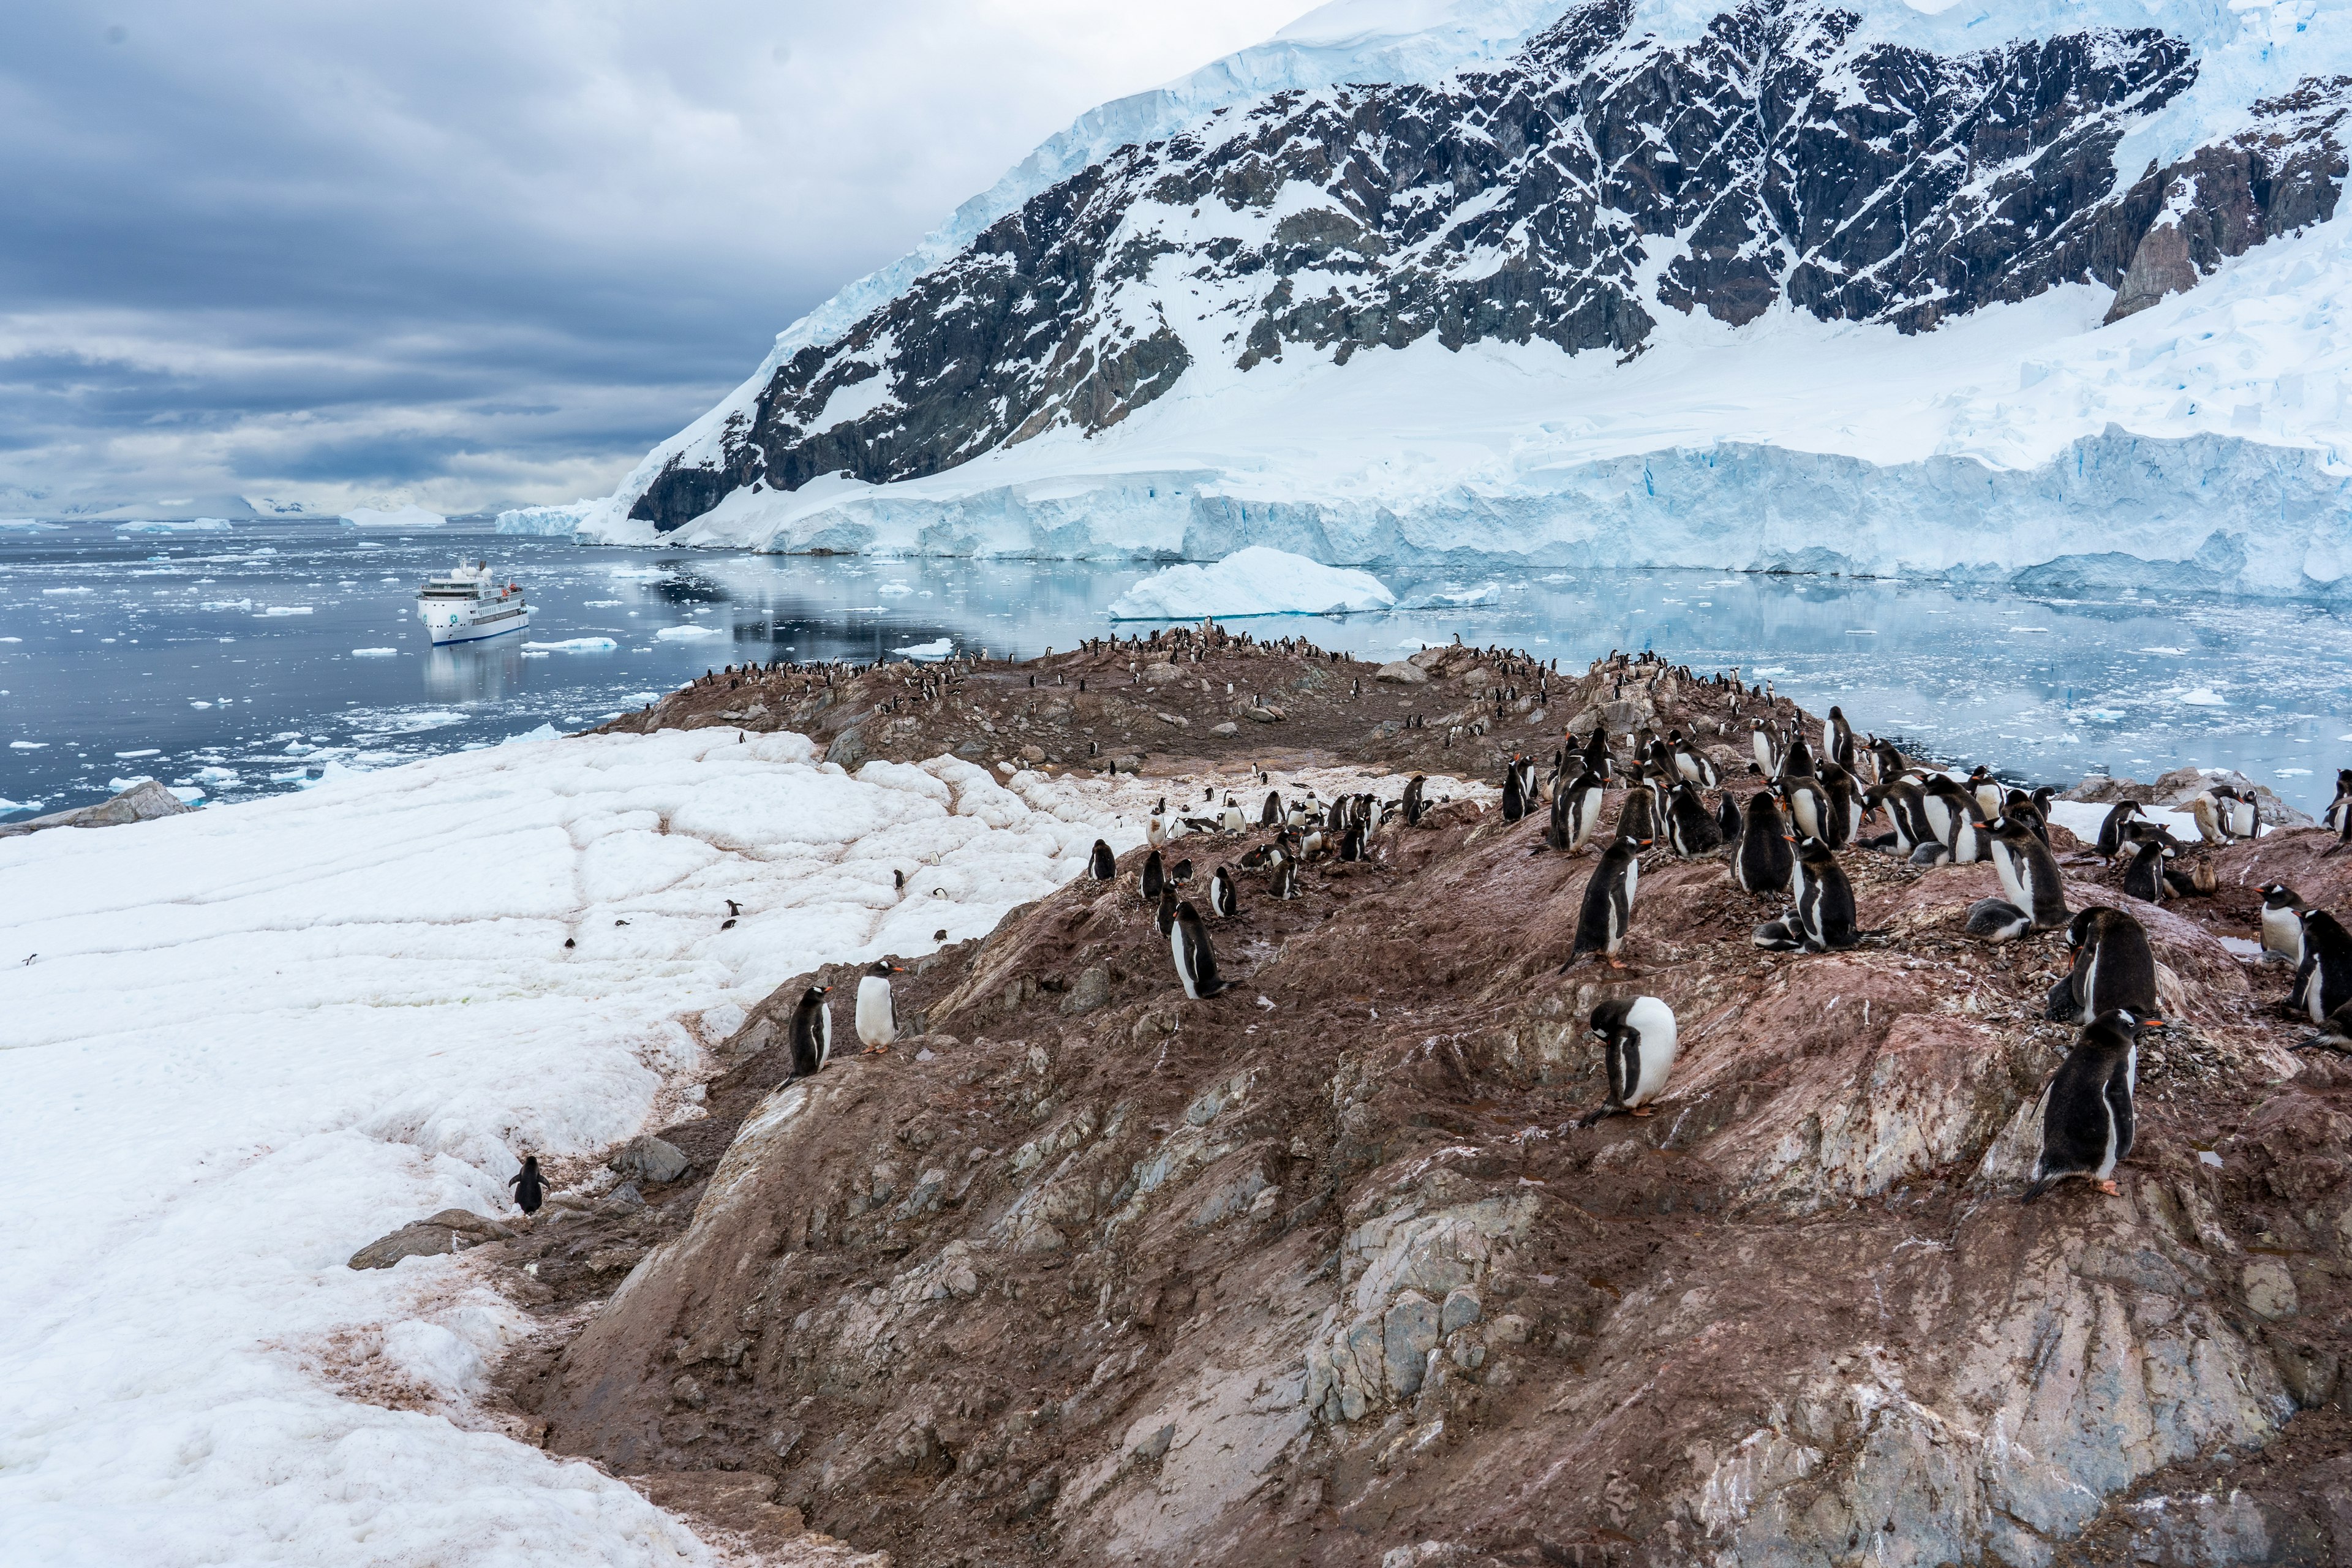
x,y
2111,1190
1641,1111
875,1051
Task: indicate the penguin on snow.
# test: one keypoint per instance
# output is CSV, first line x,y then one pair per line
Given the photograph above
x,y
2086,1112
1155,827
1270,813
2111,826
1607,908
1413,807
1232,820
811,1034
877,1011
529,1186
1196,962
1638,1039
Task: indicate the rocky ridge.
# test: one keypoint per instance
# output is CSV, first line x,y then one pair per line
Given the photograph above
x,y
1324,1271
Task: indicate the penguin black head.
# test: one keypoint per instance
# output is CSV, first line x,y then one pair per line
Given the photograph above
x,y
531,1162
2279,896
882,969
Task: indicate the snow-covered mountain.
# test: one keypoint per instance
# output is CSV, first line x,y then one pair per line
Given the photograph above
x,y
1855,287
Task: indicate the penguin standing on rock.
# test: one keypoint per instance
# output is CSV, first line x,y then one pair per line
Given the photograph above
x,y
1822,917
1608,907
1284,884
2283,923
1102,865
1638,1038
1196,962
1760,857
1151,877
1515,800
531,1187
1690,827
1575,813
2086,1112
2029,875
2114,968
1224,902
1637,815
877,1011
2323,981
1270,813
811,1034
1412,807
1166,911
2148,878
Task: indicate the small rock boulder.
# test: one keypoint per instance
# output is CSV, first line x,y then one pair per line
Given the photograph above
x,y
451,1231
1404,672
649,1159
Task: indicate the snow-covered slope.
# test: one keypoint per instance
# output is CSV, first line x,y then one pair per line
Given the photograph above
x,y
1859,288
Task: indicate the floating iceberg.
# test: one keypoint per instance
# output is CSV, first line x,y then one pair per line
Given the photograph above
x,y
572,645
927,650
1257,581
688,634
285,610
375,653
190,525
551,521
1454,598
393,517
29,523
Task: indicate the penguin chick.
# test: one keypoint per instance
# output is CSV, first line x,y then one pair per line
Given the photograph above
x,y
531,1187
2335,1035
1166,913
2086,1111
1151,877
811,1034
877,1011
1102,865
1638,1038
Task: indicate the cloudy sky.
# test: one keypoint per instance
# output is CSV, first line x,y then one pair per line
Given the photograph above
x,y
469,253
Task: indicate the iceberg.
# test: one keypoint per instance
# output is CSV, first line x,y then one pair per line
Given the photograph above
x,y
1256,581
550,522
927,650
410,516
689,632
375,653
192,525
572,645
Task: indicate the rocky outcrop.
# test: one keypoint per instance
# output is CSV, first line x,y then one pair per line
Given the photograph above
x,y
1571,194
451,1231
139,802
1327,1270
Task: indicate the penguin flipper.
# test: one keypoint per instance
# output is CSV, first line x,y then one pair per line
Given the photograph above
x,y
1601,1113
1775,936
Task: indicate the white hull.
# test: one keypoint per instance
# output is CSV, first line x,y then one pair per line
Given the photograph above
x,y
466,607
496,623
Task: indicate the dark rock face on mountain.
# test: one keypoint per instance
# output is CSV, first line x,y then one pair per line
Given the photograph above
x,y
1571,194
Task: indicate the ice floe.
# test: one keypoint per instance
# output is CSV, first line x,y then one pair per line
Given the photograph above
x,y
1256,581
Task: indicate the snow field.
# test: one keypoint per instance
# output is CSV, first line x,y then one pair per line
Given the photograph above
x,y
254,1038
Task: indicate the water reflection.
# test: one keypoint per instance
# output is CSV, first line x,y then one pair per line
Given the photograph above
x,y
483,671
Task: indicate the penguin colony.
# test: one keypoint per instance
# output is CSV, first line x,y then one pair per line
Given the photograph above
x,y
1805,795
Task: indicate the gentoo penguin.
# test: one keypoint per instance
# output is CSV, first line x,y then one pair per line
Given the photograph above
x,y
2029,875
1412,807
1888,760
2086,1112
1155,827
1575,813
1153,878
1987,790
1695,765
1351,843
1196,962
811,1035
1270,813
2205,813
1760,857
2240,816
2111,826
1597,760
1608,907
1637,817
1284,884
1822,917
877,1015
2148,876
1638,1039
1809,805
1837,738
1232,820
2114,967
1165,912
1181,873
2281,923
1224,902
1761,746
2323,981
1797,759
529,1186
1905,810
1846,810
2338,818
2335,1035
1102,865
1690,828
1515,800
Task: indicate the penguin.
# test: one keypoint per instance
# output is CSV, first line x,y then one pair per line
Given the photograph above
x,y
1797,759
811,1035
2029,875
2111,826
1822,917
1760,857
1351,842
2148,876
734,910
2337,817
898,881
1515,801
1809,805
2281,923
1690,827
1636,816
1224,902
1837,738
1196,962
1166,912
531,1187
1608,907
877,1014
1155,827
1286,880
1102,865
1413,807
1727,818
1695,765
1153,878
1887,759
1270,813
2323,981
2241,816
1905,804
1181,873
2114,967
2086,1111
1597,760
1637,1038
2335,1035
1987,790
1761,746
1232,820
1575,813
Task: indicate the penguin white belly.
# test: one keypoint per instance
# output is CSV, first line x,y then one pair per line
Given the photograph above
x,y
1184,962
2282,933
876,1024
1656,1020
824,1036
1232,823
1801,807
2005,865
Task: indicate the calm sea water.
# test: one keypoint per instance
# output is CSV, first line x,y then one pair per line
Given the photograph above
x,y
225,662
